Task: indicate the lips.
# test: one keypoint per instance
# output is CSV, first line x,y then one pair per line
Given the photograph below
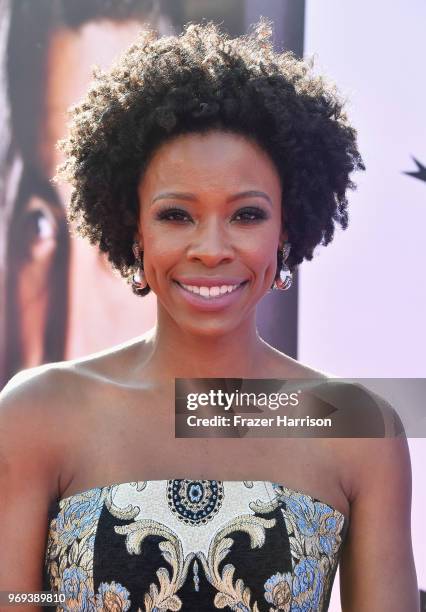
x,y
210,281
208,299
212,290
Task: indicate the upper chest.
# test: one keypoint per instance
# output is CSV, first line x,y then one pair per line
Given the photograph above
x,y
126,435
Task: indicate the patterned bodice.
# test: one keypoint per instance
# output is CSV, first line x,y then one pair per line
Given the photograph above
x,y
193,545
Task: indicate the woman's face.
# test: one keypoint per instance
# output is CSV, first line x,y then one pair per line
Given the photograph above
x,y
210,219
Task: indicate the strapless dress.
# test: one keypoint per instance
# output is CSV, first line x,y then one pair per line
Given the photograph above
x,y
193,545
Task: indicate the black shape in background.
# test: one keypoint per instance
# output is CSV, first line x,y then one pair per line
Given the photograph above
x,y
420,173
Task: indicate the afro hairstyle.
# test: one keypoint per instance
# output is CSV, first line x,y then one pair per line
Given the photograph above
x,y
197,81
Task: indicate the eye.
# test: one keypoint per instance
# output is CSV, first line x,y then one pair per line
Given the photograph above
x,y
251,214
38,230
172,213
245,215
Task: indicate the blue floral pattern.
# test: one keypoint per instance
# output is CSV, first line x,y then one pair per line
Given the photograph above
x,y
70,549
112,597
315,534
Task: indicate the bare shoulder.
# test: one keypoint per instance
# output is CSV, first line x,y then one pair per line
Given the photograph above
x,y
54,386
378,437
48,408
31,429
373,450
42,411
53,395
28,393
116,364
38,393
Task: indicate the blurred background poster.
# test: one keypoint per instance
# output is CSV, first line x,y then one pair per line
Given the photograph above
x,y
60,299
356,310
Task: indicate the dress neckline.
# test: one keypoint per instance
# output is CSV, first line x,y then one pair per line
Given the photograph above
x,y
68,498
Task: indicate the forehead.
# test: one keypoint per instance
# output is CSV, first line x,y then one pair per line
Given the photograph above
x,y
210,159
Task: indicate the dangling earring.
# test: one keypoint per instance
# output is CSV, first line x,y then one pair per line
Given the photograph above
x,y
138,280
286,277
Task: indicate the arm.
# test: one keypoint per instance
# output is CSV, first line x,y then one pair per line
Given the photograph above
x,y
28,478
377,568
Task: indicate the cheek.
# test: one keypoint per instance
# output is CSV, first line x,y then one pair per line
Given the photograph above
x,y
261,260
262,249
164,245
162,252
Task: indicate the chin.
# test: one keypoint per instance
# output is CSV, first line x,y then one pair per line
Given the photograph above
x,y
211,329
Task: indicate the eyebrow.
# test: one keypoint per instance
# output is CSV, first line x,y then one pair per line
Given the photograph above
x,y
191,197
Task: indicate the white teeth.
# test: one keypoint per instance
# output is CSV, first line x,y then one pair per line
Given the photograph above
x,y
208,292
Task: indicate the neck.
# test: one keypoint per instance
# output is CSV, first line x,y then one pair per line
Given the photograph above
x,y
179,353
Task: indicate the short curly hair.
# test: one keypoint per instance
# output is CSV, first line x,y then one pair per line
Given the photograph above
x,y
200,80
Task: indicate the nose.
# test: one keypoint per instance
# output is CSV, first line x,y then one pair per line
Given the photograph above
x,y
210,244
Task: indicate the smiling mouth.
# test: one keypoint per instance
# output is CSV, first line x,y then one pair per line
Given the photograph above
x,y
211,293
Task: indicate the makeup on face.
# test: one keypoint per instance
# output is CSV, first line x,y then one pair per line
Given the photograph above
x,y
210,222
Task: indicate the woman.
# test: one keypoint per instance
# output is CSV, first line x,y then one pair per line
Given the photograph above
x,y
206,169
